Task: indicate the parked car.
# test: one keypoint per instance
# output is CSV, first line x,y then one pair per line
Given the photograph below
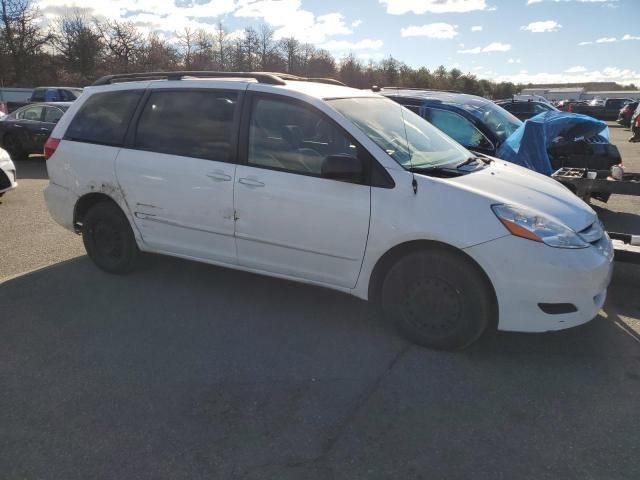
x,y
55,94
624,117
635,125
327,185
567,105
26,130
483,126
526,109
7,173
607,110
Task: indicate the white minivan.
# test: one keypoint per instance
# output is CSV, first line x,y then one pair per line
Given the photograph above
x,y
327,185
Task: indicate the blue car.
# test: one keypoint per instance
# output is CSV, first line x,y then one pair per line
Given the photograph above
x,y
485,127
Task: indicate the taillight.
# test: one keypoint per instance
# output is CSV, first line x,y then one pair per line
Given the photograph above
x,y
569,109
50,147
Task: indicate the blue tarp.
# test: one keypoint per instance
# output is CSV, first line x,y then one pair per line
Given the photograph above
x,y
527,146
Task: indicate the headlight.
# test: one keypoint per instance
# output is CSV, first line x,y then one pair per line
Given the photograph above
x,y
527,224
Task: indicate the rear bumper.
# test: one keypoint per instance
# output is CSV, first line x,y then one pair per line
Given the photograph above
x,y
61,203
525,274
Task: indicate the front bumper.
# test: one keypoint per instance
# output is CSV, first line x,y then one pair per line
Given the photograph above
x,y
526,273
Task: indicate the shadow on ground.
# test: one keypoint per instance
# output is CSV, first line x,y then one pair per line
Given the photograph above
x,y
182,370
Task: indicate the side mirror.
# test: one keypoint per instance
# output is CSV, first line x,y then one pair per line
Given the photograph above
x,y
342,167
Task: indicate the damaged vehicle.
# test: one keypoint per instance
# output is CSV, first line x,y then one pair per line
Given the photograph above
x,y
549,141
327,185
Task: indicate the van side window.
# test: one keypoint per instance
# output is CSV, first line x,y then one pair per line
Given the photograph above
x,y
188,123
104,117
289,137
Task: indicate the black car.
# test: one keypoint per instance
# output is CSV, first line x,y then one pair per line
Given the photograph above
x,y
27,129
525,109
54,94
482,126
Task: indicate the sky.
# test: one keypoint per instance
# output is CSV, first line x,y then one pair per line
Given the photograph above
x,y
538,41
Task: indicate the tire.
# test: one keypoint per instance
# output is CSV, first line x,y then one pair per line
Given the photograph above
x,y
438,299
13,145
108,238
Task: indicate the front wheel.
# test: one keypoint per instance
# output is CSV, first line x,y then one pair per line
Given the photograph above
x,y
108,238
438,299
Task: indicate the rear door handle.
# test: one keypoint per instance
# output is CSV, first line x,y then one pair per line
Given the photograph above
x,y
219,176
250,182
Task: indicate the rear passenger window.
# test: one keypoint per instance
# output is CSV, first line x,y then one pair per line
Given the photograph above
x,y
188,123
104,117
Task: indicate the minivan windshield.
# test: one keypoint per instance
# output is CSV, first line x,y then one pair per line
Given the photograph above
x,y
406,137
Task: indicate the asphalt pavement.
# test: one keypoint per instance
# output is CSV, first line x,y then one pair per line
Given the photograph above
x,y
184,370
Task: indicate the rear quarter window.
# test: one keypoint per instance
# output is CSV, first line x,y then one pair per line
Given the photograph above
x,y
104,118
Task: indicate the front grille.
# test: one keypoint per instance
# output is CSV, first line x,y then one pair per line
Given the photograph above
x,y
593,233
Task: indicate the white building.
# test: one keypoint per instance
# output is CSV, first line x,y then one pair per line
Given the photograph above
x,y
578,93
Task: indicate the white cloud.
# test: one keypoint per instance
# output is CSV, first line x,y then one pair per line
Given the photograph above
x,y
291,21
356,23
345,46
514,60
625,37
607,2
576,69
432,30
492,47
476,28
287,17
400,7
608,74
542,27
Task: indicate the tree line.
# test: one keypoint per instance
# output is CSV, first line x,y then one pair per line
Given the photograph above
x,y
75,49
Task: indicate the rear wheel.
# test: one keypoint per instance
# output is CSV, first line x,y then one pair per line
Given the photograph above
x,y
13,145
438,299
108,238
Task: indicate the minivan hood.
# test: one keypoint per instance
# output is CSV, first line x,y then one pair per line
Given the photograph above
x,y
505,182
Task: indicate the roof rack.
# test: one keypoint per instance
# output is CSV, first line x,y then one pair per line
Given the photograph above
x,y
376,88
128,77
261,77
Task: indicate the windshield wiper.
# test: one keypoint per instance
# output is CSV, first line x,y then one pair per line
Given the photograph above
x,y
468,161
441,171
475,159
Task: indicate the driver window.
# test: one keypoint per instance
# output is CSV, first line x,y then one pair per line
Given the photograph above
x,y
459,128
286,136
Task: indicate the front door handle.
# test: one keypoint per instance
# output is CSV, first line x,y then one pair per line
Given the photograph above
x,y
250,182
219,176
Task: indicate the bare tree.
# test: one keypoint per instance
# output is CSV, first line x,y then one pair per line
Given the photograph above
x,y
291,49
202,56
79,44
221,46
158,54
186,41
123,42
22,36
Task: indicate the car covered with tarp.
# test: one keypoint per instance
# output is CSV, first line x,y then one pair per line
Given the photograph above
x,y
544,143
553,140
